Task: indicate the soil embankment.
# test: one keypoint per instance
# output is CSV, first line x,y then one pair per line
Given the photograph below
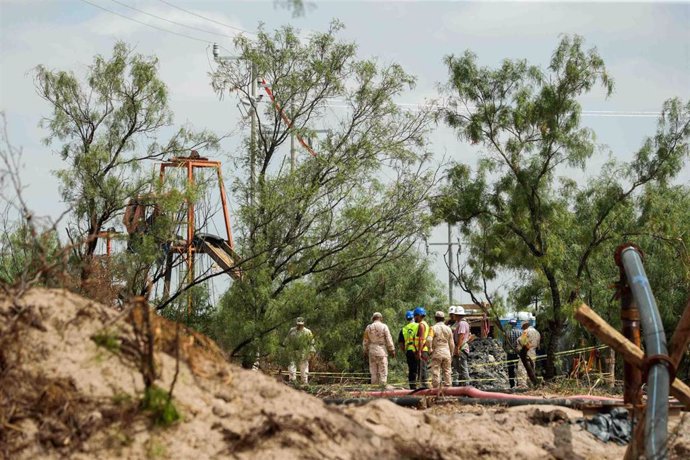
x,y
70,387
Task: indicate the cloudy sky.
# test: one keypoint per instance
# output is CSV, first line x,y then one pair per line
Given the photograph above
x,y
646,47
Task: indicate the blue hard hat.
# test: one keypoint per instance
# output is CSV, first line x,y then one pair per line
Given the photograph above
x,y
419,311
409,314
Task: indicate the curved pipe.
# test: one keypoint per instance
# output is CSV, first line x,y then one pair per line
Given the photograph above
x,y
469,392
656,419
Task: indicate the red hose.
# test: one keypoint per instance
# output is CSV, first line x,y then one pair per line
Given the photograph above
x,y
466,391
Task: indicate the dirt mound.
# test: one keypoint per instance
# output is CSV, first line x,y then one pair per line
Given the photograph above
x,y
70,388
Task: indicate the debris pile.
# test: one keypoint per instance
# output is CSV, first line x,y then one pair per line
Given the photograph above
x,y
485,370
615,426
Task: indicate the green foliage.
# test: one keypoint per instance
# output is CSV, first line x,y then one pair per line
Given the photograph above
x,y
122,399
200,316
511,209
22,255
355,204
337,317
391,289
298,7
106,125
107,340
158,403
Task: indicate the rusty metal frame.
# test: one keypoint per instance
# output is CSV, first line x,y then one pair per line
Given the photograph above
x,y
190,164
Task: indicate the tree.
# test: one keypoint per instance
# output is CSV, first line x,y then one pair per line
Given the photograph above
x,y
357,198
660,225
392,289
105,124
528,122
337,316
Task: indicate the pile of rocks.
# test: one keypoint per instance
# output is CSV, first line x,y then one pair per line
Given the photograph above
x,y
484,370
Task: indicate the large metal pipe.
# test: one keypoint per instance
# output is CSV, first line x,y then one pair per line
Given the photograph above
x,y
656,420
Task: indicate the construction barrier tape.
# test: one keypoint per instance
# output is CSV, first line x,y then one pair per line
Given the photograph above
x,y
365,375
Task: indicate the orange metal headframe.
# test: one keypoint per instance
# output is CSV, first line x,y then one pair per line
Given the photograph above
x,y
190,164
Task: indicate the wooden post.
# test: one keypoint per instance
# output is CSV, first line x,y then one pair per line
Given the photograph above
x,y
632,354
630,319
612,366
636,445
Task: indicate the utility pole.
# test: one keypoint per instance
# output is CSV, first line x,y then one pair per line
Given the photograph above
x,y
449,244
450,266
253,124
252,136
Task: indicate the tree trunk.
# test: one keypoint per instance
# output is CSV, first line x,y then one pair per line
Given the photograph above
x,y
555,325
89,250
552,336
87,264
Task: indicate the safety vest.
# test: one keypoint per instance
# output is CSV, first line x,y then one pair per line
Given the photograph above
x,y
410,335
427,329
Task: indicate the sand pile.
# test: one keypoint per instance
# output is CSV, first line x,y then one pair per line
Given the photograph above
x,y
69,387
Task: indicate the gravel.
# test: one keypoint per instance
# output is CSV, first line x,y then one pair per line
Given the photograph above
x,y
483,354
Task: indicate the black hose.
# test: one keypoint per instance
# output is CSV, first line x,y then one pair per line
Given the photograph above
x,y
405,401
656,419
414,401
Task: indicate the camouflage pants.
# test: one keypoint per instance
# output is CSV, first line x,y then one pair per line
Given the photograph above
x,y
440,368
303,370
378,366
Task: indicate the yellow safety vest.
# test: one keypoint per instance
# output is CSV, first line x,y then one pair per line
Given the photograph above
x,y
427,329
410,335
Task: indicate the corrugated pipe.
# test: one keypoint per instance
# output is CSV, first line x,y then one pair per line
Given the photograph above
x,y
414,401
466,391
656,419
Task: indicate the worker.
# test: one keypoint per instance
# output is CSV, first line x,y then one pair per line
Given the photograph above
x,y
452,319
528,342
406,339
454,361
300,346
512,334
422,348
462,338
377,343
441,343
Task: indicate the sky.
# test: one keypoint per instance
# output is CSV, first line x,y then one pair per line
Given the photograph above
x,y
645,45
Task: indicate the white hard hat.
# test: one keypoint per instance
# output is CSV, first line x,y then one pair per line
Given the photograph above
x,y
451,310
459,310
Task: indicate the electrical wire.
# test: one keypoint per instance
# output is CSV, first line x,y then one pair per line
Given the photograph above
x,y
170,21
207,19
146,24
586,113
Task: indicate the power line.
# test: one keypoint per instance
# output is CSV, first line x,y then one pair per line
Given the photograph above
x,y
170,21
205,18
340,104
146,24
